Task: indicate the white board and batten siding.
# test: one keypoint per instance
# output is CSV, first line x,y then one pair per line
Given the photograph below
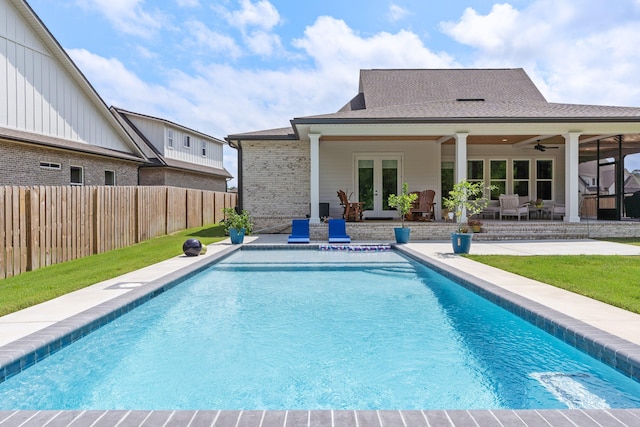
x,y
192,153
38,95
420,166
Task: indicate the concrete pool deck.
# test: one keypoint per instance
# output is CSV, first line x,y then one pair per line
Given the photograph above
x,y
620,323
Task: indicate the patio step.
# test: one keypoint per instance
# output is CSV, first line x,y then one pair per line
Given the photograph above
x,y
382,231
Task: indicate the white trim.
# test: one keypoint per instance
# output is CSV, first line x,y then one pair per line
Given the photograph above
x,y
314,190
71,167
571,177
105,177
50,166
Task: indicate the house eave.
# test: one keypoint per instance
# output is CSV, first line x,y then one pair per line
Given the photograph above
x,y
461,120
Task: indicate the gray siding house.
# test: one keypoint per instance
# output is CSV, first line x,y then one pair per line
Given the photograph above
x,y
178,156
430,128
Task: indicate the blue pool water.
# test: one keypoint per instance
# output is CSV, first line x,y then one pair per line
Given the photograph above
x,y
318,330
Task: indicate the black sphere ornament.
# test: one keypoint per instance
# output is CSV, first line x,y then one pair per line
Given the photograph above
x,y
192,247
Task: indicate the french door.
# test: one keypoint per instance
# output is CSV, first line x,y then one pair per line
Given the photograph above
x,y
377,176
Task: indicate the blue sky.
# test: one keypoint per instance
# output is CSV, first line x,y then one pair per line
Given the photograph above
x,y
230,66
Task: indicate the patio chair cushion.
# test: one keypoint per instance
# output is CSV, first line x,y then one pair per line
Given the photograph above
x,y
338,231
299,231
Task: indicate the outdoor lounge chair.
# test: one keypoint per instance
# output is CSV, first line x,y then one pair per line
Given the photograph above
x,y
557,209
299,231
352,210
510,206
423,206
338,231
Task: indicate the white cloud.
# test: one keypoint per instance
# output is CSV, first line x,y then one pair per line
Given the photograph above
x,y
127,16
204,37
569,59
263,43
396,12
337,49
489,32
261,14
117,85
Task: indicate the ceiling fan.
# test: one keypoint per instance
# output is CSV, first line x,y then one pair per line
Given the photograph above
x,y
541,147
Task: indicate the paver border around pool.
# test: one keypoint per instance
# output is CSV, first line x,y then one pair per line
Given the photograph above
x,y
610,349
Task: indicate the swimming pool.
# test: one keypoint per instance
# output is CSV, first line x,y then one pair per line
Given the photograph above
x,y
315,330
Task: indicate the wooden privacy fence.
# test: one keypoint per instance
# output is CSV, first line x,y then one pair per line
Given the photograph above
x,y
42,226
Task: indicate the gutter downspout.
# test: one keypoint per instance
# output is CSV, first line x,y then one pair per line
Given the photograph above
x,y
238,147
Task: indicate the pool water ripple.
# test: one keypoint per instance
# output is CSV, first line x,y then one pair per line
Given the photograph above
x,y
343,331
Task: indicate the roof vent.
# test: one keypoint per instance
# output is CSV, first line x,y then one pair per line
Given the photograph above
x,y
470,99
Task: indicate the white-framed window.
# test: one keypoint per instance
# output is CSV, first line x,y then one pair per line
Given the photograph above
x,y
475,171
187,141
498,177
109,177
77,175
170,138
544,179
204,148
521,177
50,165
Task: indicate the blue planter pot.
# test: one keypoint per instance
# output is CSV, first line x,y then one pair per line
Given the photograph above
x,y
461,242
402,234
237,236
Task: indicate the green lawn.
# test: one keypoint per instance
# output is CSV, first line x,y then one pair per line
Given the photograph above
x,y
614,279
37,286
611,279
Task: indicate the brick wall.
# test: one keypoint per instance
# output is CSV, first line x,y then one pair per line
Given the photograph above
x,y
276,183
181,178
20,165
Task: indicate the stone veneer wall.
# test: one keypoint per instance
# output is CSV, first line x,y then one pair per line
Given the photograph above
x,y
382,231
20,165
275,181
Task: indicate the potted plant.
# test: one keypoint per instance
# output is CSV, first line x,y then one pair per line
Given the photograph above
x,y
403,203
476,225
236,224
465,197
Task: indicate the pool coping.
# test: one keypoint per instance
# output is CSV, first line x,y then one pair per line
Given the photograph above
x,y
24,352
616,352
603,346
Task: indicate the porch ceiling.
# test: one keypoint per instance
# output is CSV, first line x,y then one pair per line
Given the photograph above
x,y
588,142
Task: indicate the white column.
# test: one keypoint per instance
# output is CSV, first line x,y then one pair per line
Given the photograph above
x,y
314,194
571,177
461,157
461,165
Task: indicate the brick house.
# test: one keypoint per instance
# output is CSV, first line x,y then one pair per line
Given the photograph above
x,y
55,129
430,128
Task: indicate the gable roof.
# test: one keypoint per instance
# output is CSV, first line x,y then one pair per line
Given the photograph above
x,y
45,39
156,157
433,96
384,88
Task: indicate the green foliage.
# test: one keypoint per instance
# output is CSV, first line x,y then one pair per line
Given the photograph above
x,y
467,196
233,219
582,274
41,285
402,202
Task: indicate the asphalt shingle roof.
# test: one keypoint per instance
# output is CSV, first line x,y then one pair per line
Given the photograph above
x,y
450,95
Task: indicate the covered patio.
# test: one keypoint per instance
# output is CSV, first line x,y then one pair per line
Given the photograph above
x,y
430,129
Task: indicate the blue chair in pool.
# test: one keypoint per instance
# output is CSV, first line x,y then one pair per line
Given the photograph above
x,y
338,231
299,231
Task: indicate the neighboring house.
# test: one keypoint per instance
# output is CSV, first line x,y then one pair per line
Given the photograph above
x,y
54,128
429,128
179,156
